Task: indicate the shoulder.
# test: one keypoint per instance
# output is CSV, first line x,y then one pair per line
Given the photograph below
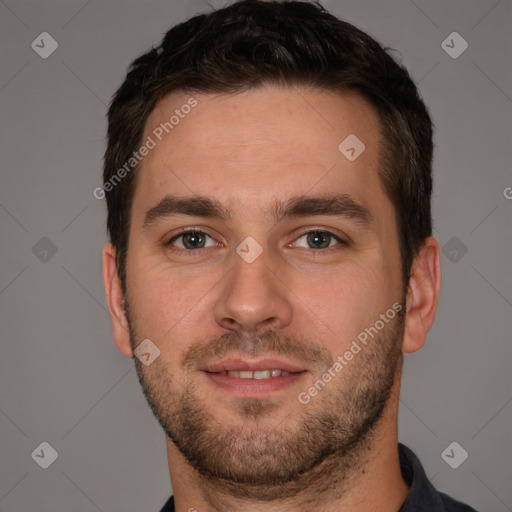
x,y
451,505
422,494
169,505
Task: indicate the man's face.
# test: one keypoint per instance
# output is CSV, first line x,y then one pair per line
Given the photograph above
x,y
213,303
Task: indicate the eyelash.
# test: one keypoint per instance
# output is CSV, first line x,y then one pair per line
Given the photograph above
x,y
186,231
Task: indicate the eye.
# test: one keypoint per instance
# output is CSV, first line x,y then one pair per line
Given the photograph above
x,y
191,239
318,239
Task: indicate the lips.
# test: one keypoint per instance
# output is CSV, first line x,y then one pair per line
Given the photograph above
x,y
253,378
258,374
245,365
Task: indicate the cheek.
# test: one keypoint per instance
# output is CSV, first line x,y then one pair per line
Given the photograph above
x,y
343,303
158,298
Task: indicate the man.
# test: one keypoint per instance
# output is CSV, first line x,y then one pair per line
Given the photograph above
x,y
268,181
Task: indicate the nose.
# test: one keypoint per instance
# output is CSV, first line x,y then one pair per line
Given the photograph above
x,y
253,297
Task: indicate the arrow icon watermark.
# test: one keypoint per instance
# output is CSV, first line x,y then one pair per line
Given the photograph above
x,y
249,249
351,147
44,45
146,352
44,455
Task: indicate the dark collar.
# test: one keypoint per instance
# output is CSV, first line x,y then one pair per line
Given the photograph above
x,y
422,494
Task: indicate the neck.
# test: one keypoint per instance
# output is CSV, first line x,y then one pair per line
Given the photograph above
x,y
364,479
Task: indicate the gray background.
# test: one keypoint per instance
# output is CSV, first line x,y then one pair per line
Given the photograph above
x,y
61,378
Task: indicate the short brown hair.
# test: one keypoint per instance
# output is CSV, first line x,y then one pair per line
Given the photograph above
x,y
253,43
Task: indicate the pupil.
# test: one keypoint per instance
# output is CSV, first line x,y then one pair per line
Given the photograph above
x,y
318,238
192,240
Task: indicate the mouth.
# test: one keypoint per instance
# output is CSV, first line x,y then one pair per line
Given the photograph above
x,y
245,378
256,374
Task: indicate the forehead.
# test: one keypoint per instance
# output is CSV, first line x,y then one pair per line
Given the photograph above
x,y
261,144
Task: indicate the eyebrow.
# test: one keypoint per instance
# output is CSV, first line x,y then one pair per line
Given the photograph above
x,y
337,205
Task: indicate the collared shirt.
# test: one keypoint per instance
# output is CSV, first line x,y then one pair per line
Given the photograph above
x,y
422,494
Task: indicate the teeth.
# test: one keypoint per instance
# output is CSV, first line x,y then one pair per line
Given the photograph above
x,y
259,374
262,374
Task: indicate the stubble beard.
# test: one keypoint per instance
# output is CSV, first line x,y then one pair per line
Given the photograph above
x,y
316,453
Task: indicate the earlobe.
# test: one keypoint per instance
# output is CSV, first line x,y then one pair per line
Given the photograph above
x,y
422,295
115,300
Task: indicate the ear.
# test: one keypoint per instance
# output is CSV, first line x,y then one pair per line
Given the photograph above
x,y
422,295
115,299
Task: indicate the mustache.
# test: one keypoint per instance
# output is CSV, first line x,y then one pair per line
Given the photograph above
x,y
270,341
